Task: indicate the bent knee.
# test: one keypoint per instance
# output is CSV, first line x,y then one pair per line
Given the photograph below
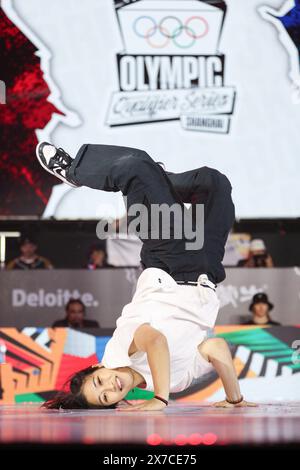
x,y
214,179
135,162
222,182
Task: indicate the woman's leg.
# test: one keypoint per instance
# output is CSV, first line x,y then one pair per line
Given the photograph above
x,y
142,181
132,171
209,187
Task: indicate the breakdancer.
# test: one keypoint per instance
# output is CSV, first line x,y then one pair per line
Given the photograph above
x,y
161,339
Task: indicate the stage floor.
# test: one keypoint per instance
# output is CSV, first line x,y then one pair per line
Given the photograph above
x,y
179,424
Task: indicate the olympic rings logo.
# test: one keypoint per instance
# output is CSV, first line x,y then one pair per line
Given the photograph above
x,y
170,28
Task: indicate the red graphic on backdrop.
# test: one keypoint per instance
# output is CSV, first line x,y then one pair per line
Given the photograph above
x,y
24,187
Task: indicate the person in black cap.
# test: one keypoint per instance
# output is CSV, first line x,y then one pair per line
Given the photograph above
x,y
28,259
260,308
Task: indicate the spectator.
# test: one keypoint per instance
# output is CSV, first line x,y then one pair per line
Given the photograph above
x,y
97,258
75,312
258,256
260,308
29,259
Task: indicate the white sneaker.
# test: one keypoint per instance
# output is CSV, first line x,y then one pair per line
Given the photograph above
x,y
55,161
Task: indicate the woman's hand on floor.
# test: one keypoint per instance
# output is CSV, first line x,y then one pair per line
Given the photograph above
x,y
149,405
226,404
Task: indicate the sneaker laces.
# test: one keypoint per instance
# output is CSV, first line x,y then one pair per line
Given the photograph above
x,y
63,158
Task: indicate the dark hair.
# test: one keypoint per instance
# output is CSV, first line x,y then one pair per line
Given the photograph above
x,y
74,301
27,238
97,247
74,399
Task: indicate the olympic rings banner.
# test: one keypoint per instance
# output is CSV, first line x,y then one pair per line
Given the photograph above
x,y
171,66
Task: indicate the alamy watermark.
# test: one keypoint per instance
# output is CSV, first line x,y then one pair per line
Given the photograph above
x,y
2,92
160,222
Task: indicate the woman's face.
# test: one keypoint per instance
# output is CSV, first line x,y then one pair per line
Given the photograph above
x,y
107,386
28,249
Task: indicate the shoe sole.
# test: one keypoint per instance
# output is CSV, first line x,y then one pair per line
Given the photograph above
x,y
37,151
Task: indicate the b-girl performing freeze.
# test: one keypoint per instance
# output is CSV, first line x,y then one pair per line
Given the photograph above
x,y
160,342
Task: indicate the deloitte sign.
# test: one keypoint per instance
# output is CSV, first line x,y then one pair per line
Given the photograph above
x,y
43,298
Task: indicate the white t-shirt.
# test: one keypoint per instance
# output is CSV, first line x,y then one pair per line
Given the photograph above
x,y
182,313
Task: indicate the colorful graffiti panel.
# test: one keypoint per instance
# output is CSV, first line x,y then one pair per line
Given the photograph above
x,y
36,362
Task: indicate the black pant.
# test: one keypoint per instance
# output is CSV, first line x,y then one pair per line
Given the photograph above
x,y
143,181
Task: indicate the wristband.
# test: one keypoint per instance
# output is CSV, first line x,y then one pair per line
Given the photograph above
x,y
235,402
161,399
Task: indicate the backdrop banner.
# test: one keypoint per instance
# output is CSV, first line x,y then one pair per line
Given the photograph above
x,y
35,362
38,298
191,82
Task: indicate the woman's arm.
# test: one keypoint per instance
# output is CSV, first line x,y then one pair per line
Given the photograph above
x,y
216,351
158,356
155,345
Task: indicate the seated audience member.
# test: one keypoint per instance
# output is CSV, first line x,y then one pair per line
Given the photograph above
x,y
258,256
97,258
75,313
29,259
260,308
